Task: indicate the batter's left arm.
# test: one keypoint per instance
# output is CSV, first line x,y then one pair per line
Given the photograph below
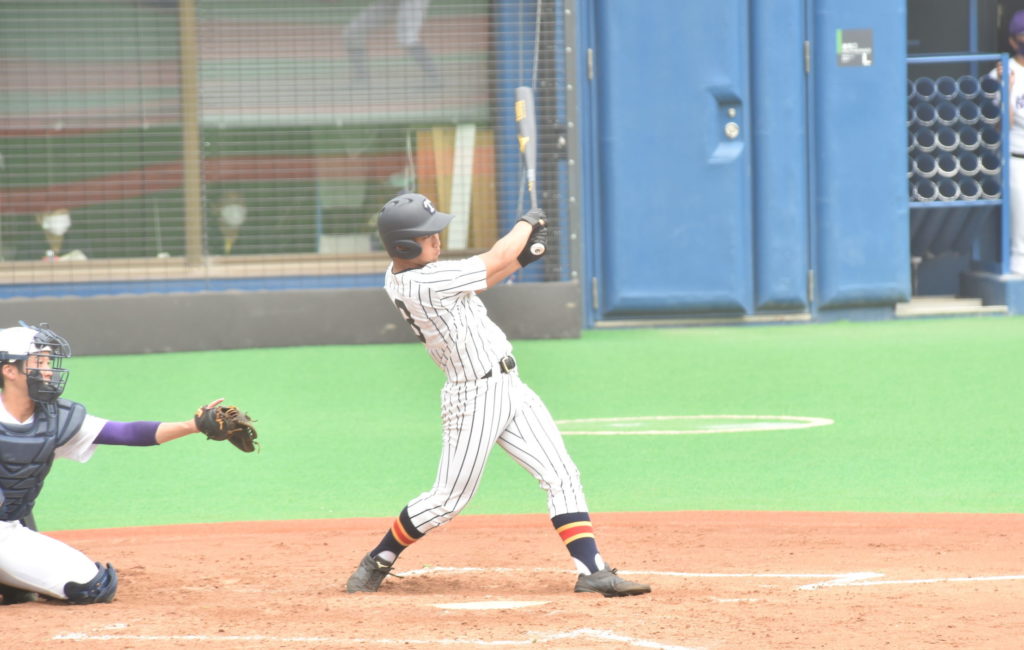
x,y
509,254
502,259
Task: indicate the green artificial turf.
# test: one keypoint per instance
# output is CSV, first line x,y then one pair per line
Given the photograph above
x,y
926,419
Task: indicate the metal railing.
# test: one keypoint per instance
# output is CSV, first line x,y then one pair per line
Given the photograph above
x,y
957,143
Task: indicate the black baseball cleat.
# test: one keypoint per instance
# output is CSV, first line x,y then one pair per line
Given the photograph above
x,y
368,575
14,596
607,583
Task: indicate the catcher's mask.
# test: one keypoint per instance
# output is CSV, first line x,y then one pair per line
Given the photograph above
x,y
42,353
406,217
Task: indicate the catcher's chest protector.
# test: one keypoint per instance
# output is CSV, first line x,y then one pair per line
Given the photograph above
x,y
26,454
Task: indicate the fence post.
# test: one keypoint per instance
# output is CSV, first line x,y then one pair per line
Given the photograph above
x,y
190,149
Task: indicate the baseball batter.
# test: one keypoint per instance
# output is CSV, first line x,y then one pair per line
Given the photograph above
x,y
1016,160
37,426
483,401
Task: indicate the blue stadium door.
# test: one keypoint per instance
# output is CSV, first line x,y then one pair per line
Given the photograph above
x,y
672,221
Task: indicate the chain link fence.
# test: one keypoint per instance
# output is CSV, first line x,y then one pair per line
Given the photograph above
x,y
156,145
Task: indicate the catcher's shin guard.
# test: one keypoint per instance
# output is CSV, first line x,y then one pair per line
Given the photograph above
x,y
368,575
100,589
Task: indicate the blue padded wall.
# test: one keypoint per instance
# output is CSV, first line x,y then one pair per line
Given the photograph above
x,y
672,220
729,179
780,172
860,207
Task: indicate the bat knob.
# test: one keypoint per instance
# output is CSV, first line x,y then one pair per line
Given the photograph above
x,y
538,249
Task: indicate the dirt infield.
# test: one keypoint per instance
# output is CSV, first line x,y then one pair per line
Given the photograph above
x,y
720,580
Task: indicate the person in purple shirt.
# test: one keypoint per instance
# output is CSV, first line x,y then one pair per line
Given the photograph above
x,y
37,426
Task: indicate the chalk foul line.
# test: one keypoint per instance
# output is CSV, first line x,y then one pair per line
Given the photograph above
x,y
673,425
851,579
912,581
582,633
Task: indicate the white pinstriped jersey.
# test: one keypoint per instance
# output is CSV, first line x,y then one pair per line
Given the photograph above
x,y
439,302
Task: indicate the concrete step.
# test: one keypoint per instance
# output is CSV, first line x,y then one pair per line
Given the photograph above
x,y
920,306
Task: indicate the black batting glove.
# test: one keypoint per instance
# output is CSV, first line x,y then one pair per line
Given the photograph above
x,y
539,236
535,218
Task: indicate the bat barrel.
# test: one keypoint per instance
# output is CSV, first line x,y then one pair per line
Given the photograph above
x,y
526,125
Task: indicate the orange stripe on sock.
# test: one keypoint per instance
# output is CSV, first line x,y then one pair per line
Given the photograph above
x,y
401,536
574,530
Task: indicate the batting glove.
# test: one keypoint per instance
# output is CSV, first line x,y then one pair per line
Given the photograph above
x,y
539,237
534,217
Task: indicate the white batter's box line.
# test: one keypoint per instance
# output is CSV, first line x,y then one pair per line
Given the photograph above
x,y
582,633
472,569
723,423
868,582
675,574
851,579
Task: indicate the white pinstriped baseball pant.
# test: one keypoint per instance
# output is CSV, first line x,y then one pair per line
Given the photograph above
x,y
477,414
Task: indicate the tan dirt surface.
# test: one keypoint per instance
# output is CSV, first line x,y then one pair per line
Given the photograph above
x,y
720,580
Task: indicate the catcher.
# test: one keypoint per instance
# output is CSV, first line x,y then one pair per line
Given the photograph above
x,y
37,426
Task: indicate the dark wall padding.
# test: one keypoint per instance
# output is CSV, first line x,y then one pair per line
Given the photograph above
x,y
133,324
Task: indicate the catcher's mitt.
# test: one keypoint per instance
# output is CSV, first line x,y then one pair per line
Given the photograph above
x,y
227,423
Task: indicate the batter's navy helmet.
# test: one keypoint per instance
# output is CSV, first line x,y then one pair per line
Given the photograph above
x,y
406,217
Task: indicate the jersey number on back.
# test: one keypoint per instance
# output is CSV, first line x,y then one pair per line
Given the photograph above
x,y
408,319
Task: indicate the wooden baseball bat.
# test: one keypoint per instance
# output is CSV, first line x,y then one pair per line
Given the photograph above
x,y
526,126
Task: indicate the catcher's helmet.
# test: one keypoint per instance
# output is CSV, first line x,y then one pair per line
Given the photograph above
x,y
20,343
406,217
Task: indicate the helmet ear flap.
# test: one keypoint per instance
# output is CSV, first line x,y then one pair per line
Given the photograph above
x,y
406,249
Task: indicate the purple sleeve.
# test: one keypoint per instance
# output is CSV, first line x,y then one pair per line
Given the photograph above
x,y
136,434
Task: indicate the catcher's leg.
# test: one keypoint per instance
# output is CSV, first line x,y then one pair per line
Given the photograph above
x,y
13,595
36,563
